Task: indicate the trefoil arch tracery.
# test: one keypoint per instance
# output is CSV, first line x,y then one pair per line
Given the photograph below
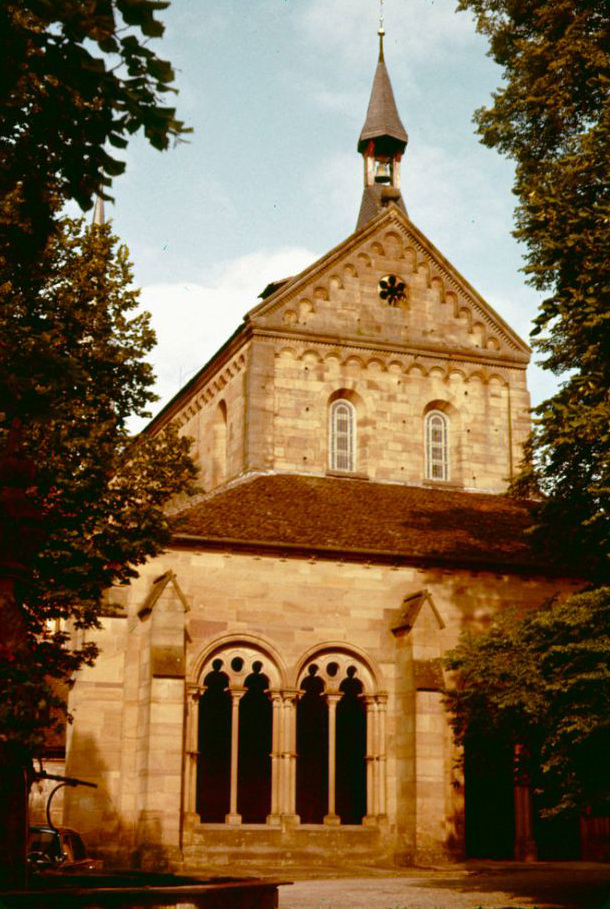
x,y
250,758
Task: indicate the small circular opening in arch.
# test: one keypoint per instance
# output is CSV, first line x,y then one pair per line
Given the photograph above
x,y
237,664
332,669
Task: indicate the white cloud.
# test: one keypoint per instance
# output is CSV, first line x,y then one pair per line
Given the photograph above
x,y
192,320
418,29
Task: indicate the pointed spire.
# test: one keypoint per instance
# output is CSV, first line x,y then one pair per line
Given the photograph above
x,y
382,119
382,142
98,212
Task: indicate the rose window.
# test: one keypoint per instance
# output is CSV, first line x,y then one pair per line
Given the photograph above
x,y
392,290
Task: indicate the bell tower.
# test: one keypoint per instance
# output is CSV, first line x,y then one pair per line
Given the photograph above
x,y
382,143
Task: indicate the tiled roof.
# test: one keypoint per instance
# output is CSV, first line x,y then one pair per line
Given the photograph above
x,y
362,519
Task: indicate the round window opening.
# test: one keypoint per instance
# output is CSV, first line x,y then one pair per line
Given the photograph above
x,y
392,290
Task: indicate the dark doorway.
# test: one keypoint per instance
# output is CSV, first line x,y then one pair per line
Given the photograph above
x,y
254,753
490,814
214,764
312,750
350,788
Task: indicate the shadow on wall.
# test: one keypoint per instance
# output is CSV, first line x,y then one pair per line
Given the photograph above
x,y
96,815
92,812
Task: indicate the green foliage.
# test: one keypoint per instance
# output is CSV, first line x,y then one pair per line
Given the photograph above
x,y
76,80
543,680
552,116
73,372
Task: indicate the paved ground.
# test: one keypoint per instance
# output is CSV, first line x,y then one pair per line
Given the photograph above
x,y
491,885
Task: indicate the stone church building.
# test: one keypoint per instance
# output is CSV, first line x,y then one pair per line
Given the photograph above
x,y
270,688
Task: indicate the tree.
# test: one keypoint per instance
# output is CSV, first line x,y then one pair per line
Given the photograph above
x,y
76,80
101,495
537,681
80,503
552,117
74,365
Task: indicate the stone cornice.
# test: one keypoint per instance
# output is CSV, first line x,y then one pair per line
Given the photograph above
x,y
430,351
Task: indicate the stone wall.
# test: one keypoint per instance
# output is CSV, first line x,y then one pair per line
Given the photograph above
x,y
129,734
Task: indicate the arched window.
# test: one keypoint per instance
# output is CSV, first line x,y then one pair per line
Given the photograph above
x,y
340,742
234,774
260,750
437,446
342,435
213,777
219,445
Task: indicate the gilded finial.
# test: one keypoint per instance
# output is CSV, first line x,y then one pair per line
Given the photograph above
x,y
381,30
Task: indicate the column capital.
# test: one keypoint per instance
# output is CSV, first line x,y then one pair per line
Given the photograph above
x,y
195,691
292,694
236,691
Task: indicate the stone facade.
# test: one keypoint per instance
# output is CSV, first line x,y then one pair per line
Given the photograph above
x,y
287,602
270,689
136,713
263,403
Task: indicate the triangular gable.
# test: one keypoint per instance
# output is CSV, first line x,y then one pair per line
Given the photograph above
x,y
155,593
339,296
411,608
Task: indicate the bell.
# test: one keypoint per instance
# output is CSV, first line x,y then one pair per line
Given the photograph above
x,y
383,172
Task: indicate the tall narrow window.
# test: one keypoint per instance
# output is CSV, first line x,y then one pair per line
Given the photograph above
x,y
437,447
312,748
350,783
342,435
254,761
219,445
213,777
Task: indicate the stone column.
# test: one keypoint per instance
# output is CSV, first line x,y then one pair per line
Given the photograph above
x,y
276,758
382,710
332,817
371,760
193,695
236,694
289,755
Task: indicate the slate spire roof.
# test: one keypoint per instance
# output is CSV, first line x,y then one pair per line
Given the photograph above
x,y
382,142
382,119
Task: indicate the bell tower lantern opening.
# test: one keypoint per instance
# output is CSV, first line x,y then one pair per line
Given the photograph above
x,y
382,143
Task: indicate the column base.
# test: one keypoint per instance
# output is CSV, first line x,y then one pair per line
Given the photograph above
x,y
291,820
273,820
332,820
233,819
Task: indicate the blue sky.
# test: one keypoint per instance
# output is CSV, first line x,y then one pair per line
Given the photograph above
x,y
276,92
